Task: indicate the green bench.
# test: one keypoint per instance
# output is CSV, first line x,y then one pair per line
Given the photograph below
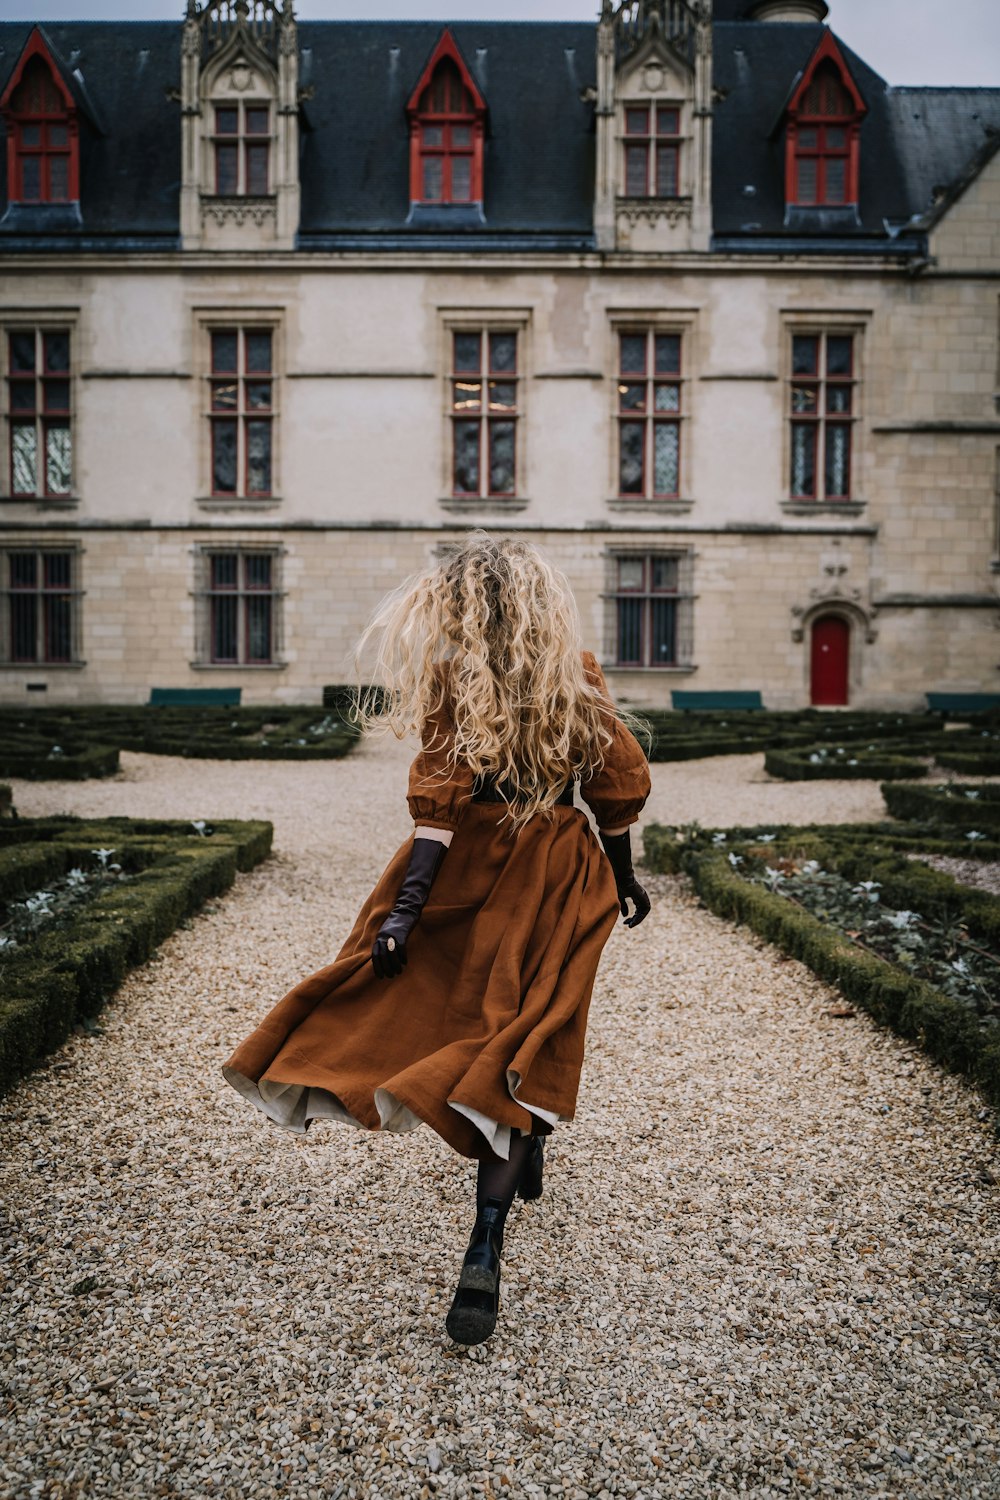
x,y
195,697
962,704
687,702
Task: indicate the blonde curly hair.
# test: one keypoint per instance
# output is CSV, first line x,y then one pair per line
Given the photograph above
x,y
490,638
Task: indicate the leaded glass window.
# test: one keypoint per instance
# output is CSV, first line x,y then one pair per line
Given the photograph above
x,y
652,151
650,408
241,411
41,602
242,599
651,602
40,417
822,401
485,411
241,143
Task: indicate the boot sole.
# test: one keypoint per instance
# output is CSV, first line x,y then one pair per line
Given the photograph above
x,y
477,1279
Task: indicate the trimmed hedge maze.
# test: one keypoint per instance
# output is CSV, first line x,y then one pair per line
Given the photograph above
x,y
78,947
904,941
72,743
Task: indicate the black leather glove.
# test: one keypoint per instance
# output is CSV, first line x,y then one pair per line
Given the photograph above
x,y
618,848
389,948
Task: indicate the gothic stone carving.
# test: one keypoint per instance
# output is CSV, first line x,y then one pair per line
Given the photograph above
x,y
240,210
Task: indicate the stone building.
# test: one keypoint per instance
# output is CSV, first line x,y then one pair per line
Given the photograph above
x,y
691,297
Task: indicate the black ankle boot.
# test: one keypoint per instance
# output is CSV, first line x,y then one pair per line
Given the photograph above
x,y
473,1314
529,1185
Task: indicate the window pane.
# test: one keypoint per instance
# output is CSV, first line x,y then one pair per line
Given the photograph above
x,y
668,398
807,180
31,135
501,458
226,169
630,631
503,353
809,140
259,395
23,570
258,458
223,570
223,458
433,135
55,350
663,647
57,615
665,572
227,121
258,352
24,460
31,178
259,628
835,138
223,352
636,171
59,135
466,458
468,352
461,179
838,397
836,180
632,397
632,440
433,179
257,566
839,354
503,395
637,122
58,179
668,353
22,353
258,120
461,136
257,169
666,171
666,448
467,395
633,354
224,394
55,567
805,399
838,460
630,572
55,395
22,395
23,627
223,627
668,121
805,354
57,458
803,459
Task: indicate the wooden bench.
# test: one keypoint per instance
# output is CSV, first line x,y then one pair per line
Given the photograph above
x,y
732,701
195,697
962,704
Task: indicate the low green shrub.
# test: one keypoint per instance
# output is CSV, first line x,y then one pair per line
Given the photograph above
x,y
970,762
956,805
855,765
65,974
34,760
692,736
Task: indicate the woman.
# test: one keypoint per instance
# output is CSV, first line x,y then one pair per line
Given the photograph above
x,y
460,997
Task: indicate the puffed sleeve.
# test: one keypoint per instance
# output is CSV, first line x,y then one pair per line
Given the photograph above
x,y
438,791
617,793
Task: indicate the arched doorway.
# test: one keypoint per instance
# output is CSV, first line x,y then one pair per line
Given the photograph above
x,y
830,661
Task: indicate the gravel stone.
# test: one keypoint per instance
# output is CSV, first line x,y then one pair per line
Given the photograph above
x,y
765,1262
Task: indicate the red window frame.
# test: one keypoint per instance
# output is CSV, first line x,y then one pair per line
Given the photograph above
x,y
248,141
822,161
485,402
652,151
822,414
247,588
42,128
647,610
39,402
447,125
650,401
51,595
242,410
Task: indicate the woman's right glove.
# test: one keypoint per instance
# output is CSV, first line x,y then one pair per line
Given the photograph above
x,y
618,848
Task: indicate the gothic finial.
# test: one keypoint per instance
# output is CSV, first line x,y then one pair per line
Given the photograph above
x,y
192,10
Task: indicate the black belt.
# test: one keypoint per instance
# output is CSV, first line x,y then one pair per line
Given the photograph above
x,y
484,789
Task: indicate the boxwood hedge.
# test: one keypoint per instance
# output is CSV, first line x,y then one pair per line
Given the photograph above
x,y
976,808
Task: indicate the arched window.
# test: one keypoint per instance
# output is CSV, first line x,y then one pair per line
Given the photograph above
x,y
42,160
447,113
823,127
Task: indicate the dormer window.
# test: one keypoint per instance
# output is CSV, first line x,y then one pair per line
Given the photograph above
x,y
447,119
42,147
823,134
242,143
652,151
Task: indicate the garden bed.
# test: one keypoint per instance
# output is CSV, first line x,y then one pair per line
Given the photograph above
x,y
61,968
692,736
973,808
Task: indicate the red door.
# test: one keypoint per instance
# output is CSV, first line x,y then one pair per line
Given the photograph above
x,y
831,647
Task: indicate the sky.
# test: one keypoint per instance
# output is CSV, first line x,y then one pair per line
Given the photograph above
x,y
907,41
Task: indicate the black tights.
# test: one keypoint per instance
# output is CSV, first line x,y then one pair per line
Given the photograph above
x,y
498,1179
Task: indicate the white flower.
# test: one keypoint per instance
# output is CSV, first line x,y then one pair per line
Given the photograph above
x,y
766,838
718,838
811,867
772,876
39,903
76,877
903,919
735,859
103,855
960,966
974,835
972,796
199,825
815,759
852,762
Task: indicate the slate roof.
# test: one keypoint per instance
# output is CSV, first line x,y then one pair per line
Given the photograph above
x,y
539,154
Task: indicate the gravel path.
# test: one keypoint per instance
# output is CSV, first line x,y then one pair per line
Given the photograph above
x,y
764,1263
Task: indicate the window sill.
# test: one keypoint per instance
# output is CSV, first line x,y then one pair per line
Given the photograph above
x,y
677,671
238,502
655,507
824,507
238,666
43,666
42,502
494,504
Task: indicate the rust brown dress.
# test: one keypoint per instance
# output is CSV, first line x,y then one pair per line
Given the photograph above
x,y
485,1027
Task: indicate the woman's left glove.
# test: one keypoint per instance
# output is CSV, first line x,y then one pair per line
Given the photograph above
x,y
389,948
